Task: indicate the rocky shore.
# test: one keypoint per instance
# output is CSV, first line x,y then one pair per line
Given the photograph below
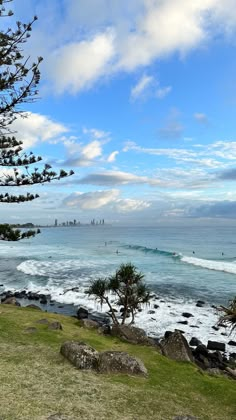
x,y
210,356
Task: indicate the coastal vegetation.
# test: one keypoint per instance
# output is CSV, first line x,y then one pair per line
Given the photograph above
x,y
37,382
18,86
228,317
128,288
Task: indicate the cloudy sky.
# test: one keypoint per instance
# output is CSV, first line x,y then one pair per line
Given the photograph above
x,y
139,99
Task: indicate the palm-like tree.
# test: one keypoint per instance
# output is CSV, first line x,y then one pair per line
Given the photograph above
x,y
229,315
127,285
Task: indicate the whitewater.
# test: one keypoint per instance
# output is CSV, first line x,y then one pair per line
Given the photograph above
x,y
181,266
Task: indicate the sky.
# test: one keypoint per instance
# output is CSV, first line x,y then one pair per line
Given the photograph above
x,y
139,99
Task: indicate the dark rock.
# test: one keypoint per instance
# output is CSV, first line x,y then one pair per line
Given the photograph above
x,y
201,349
60,306
183,322
215,345
80,355
131,334
32,306
55,326
156,306
43,300
200,303
167,334
214,327
194,342
89,323
151,312
187,315
120,362
33,296
194,326
43,321
82,313
140,310
232,343
31,330
176,347
20,295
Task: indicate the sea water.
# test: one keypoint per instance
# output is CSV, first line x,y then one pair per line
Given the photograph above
x,y
181,265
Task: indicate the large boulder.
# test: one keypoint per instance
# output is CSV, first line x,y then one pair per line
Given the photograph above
x,y
82,313
11,301
215,345
89,323
32,306
55,326
80,354
176,347
120,362
131,334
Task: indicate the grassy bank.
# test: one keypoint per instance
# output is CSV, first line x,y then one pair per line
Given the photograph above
x,y
37,382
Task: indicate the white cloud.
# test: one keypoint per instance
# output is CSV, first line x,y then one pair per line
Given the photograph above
x,y
76,65
128,205
162,92
112,156
91,200
98,199
158,31
35,128
80,154
91,150
140,88
97,38
94,133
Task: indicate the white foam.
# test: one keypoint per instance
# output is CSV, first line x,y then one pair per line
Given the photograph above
x,y
211,264
166,316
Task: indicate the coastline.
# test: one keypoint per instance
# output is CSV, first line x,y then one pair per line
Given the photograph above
x,y
160,316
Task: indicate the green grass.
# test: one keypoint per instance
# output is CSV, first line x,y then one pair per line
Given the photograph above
x,y
36,381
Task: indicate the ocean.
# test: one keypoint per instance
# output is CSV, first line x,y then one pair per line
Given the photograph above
x,y
181,265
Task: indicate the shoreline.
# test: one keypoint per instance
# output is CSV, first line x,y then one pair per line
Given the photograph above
x,y
159,312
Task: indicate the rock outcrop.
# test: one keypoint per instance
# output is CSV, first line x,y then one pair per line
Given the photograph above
x,y
132,335
85,357
80,355
176,347
120,362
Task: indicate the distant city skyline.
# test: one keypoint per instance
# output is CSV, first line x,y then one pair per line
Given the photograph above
x,y
139,99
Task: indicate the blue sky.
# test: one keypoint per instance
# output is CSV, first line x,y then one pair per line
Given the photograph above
x,y
139,99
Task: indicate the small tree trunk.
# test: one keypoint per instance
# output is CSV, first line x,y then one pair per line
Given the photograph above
x,y
113,315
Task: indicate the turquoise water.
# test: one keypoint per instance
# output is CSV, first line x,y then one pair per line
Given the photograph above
x,y
67,256
181,265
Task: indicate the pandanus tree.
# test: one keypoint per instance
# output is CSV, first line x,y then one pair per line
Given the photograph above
x,y
128,288
19,79
228,317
